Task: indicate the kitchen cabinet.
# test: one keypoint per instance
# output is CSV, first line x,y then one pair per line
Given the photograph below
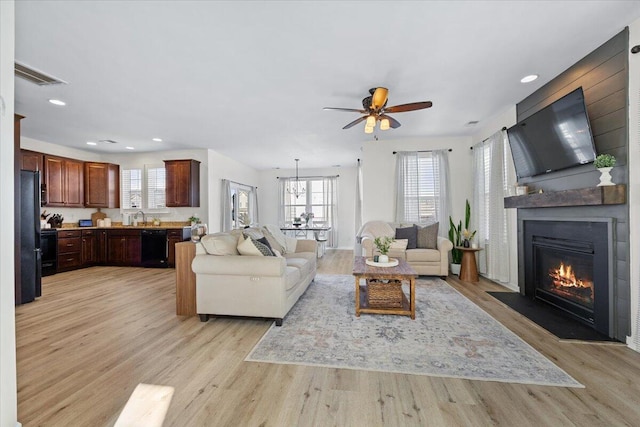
x,y
64,182
176,235
101,185
69,250
182,183
31,160
90,247
124,247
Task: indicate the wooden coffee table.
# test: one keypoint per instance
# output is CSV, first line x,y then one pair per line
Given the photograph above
x,y
402,272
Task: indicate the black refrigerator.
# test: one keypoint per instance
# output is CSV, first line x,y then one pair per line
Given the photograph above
x,y
30,259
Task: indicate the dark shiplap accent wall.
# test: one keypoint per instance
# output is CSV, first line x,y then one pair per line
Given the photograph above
x,y
604,77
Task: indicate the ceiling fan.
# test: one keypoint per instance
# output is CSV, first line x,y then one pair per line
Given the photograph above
x,y
375,109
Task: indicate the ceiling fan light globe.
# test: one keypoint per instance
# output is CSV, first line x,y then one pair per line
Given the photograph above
x,y
368,129
371,122
384,124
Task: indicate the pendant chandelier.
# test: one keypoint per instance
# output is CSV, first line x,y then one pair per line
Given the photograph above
x,y
294,188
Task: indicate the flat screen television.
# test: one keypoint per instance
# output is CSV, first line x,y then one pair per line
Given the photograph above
x,y
554,138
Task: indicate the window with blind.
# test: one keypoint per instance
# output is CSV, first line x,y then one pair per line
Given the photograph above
x,y
420,188
143,188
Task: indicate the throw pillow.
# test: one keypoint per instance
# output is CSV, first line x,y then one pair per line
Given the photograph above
x,y
400,244
265,242
252,247
409,233
220,244
274,242
253,232
276,237
428,236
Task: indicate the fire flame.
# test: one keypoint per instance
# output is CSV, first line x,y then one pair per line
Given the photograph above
x,y
564,282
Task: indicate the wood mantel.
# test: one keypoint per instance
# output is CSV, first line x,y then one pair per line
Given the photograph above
x,y
594,196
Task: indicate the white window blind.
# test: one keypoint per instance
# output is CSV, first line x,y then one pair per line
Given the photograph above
x,y
143,188
419,188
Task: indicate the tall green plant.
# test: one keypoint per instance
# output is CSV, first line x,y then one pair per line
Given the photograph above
x,y
455,234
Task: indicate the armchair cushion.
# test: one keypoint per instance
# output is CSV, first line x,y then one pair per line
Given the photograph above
x,y
409,233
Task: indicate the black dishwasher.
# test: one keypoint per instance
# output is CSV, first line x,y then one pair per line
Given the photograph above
x,y
154,248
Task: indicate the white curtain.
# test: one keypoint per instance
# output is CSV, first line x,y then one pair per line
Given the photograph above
x,y
488,215
253,204
443,202
331,205
282,191
226,221
358,217
422,188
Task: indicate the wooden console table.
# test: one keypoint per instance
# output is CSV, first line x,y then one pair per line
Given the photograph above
x,y
185,279
469,267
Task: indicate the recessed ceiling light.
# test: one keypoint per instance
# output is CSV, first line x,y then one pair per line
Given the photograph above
x,y
529,78
157,139
129,148
92,143
57,102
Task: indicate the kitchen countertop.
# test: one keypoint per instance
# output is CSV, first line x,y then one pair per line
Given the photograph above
x,y
122,227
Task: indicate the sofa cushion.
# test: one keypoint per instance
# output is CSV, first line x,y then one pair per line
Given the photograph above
x,y
409,233
423,255
400,244
301,264
265,242
428,237
276,238
256,233
252,247
220,244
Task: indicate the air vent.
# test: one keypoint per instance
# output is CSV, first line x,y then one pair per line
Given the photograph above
x,y
35,76
472,123
108,141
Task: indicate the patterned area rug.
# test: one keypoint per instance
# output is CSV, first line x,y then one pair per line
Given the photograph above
x,y
450,337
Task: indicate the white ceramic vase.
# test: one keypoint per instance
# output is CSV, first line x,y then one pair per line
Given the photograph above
x,y
383,258
605,177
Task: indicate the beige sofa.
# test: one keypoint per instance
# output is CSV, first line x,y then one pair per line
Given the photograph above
x,y
427,262
231,284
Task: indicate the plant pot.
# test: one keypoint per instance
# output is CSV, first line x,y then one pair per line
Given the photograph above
x,y
383,258
455,269
605,177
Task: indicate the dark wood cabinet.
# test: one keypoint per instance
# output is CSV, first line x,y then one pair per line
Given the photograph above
x,y
182,183
101,185
31,160
69,249
64,182
124,247
90,248
175,235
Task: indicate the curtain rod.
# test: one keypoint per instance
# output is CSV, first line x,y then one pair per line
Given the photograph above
x,y
307,177
425,151
487,138
239,183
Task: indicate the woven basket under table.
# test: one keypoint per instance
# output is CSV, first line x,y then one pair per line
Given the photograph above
x,y
386,293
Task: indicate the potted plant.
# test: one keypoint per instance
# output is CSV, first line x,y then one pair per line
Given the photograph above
x,y
383,244
193,219
457,238
604,163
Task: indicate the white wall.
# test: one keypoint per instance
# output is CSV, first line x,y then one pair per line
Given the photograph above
x,y
223,167
268,195
634,183
490,126
8,386
379,166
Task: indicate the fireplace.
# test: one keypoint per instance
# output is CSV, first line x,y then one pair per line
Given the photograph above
x,y
568,264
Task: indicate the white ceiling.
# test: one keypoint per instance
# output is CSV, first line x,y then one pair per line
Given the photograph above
x,y
249,79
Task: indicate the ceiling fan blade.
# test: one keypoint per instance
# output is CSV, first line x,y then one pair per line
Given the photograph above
x,y
393,123
355,122
408,107
379,98
353,110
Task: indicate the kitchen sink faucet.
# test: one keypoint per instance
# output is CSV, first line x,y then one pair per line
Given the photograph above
x,y
144,218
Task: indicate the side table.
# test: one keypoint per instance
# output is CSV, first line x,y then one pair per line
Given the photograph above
x,y
468,267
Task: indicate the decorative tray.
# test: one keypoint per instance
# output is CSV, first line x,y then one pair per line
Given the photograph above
x,y
392,263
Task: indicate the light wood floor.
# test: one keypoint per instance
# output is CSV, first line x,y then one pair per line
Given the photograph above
x,y
96,333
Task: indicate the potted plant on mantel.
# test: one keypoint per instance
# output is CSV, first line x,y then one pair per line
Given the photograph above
x,y
456,235
604,163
